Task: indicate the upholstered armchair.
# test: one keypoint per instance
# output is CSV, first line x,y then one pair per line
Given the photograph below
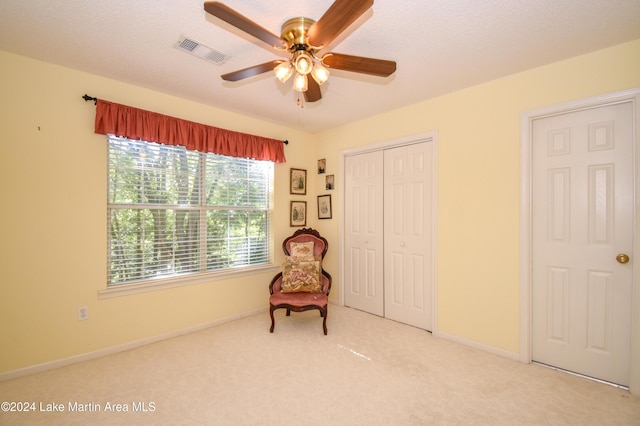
x,y
303,284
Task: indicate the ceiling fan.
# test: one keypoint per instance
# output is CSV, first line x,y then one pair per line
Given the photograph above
x,y
303,38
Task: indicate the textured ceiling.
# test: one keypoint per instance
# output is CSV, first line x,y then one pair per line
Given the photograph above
x,y
439,46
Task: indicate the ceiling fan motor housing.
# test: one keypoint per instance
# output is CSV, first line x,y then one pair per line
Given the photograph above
x,y
295,33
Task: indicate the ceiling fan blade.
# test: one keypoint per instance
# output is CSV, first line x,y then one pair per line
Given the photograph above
x,y
371,66
241,22
336,19
313,93
251,71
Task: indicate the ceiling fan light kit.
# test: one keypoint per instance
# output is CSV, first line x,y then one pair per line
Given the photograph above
x,y
303,38
303,64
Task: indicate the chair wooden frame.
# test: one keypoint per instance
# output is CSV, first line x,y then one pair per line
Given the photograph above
x,y
300,302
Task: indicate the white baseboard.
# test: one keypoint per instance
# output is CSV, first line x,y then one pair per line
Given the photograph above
x,y
119,348
479,346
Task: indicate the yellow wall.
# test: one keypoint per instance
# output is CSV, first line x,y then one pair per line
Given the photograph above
x,y
478,181
53,233
53,188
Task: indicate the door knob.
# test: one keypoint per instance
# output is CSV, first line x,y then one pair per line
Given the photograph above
x,y
622,258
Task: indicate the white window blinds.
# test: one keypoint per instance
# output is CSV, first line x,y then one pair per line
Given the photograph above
x,y
173,211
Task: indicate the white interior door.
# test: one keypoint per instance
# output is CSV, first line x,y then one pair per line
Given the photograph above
x,y
582,213
407,234
363,255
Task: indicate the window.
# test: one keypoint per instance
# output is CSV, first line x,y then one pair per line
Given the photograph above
x,y
173,212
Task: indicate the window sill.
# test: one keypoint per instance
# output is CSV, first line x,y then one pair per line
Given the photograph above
x,y
165,283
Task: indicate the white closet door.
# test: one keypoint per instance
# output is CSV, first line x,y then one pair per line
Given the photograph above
x,y
407,234
363,257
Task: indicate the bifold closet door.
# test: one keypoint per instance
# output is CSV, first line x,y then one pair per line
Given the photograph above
x,y
407,234
388,256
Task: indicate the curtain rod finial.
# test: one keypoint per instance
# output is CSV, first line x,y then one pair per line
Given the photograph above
x,y
90,98
286,142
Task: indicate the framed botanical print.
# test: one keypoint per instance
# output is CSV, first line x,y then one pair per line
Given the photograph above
x,y
298,213
324,206
298,179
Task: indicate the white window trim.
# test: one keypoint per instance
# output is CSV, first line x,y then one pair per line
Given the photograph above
x,y
180,281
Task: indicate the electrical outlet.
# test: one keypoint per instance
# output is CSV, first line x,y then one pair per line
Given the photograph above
x,y
83,313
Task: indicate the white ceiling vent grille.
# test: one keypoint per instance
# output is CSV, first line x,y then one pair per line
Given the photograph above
x,y
201,51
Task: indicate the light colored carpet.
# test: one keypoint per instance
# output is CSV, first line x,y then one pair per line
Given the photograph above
x,y
366,371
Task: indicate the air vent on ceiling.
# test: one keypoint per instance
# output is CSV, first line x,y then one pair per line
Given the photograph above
x,y
201,51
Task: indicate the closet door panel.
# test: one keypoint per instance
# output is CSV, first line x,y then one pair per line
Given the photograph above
x,y
407,234
364,263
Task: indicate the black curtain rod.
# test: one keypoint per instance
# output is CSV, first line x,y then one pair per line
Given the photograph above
x,y
88,98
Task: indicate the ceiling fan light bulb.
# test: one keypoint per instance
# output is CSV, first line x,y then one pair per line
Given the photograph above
x,y
304,64
283,71
300,83
320,74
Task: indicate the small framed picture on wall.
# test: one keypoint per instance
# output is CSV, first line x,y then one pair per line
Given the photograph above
x,y
322,166
298,182
298,213
324,206
328,183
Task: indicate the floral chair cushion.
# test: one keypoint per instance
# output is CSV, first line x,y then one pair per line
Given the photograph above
x,y
301,276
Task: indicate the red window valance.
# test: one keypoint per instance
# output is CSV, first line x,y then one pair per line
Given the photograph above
x,y
134,123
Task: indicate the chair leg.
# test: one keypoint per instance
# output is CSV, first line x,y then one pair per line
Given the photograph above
x,y
288,312
273,323
324,320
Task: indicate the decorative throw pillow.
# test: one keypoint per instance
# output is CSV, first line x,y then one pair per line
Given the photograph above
x,y
301,276
302,251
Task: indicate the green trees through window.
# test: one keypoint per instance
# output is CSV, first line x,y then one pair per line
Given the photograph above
x,y
173,211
